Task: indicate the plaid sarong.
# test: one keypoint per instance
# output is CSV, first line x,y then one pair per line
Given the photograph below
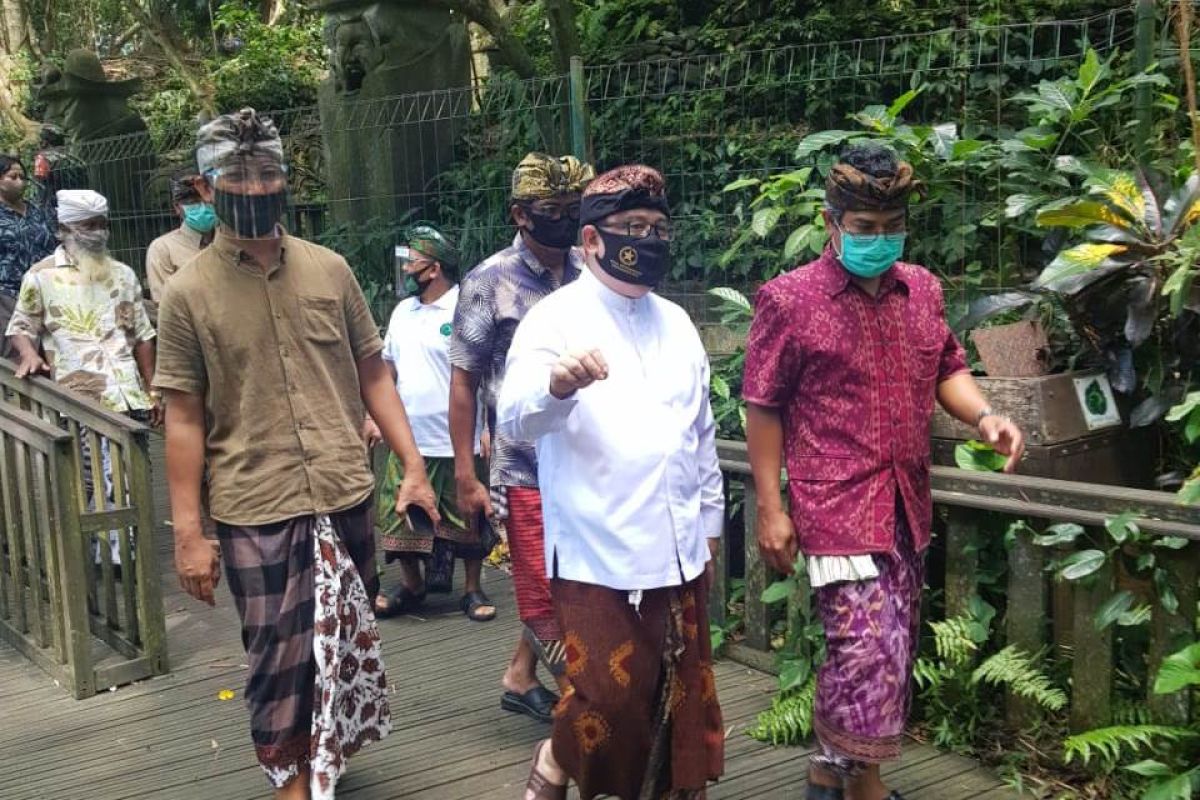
x,y
297,587
640,718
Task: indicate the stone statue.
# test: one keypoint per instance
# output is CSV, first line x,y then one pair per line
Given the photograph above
x,y
383,149
84,103
90,110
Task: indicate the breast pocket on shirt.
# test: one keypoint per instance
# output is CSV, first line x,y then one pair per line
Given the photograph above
x,y
322,319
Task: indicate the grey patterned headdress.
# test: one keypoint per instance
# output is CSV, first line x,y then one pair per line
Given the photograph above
x,y
231,136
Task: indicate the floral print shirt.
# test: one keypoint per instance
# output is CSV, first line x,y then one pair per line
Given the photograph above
x,y
88,330
25,239
493,299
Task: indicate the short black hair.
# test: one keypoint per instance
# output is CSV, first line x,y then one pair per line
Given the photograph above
x,y
8,161
876,160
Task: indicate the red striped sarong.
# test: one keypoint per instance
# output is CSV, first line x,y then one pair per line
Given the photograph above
x,y
527,546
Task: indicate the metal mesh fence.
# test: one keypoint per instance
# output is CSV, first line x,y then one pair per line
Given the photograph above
x,y
362,174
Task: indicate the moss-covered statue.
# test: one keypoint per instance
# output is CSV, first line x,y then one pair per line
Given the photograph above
x,y
378,51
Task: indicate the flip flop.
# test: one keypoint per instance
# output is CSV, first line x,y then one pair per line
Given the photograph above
x,y
538,784
537,703
401,601
471,603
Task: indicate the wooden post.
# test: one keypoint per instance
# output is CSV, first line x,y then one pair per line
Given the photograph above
x,y
718,593
962,560
1092,667
153,627
1170,632
1025,622
758,614
73,569
12,454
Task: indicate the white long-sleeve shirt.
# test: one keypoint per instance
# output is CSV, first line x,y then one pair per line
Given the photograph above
x,y
628,470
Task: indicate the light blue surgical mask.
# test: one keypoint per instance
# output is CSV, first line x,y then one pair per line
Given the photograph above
x,y
870,255
200,217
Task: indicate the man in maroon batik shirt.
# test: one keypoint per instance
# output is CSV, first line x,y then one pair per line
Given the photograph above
x,y
845,358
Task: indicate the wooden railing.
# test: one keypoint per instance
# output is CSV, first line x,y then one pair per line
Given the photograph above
x,y
64,603
1039,610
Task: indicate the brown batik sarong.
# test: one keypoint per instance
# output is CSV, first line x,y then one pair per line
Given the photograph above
x,y
317,690
640,718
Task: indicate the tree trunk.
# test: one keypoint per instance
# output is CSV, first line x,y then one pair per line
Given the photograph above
x,y
162,33
564,33
16,26
14,40
9,110
484,14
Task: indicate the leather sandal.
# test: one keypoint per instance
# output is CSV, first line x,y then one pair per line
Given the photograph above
x,y
539,784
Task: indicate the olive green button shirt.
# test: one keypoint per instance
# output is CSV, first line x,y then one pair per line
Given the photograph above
x,y
167,254
274,353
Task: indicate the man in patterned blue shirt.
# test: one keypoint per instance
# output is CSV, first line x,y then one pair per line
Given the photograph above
x,y
26,237
493,299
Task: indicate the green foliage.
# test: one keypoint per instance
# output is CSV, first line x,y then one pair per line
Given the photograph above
x,y
729,409
277,67
789,720
1019,672
1109,744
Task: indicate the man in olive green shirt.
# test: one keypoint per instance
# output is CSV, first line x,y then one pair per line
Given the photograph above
x,y
268,355
169,252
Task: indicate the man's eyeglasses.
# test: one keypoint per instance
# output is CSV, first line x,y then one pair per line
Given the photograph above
x,y
640,230
240,175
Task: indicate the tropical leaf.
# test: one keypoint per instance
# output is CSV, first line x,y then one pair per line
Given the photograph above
x,y
732,297
1179,670
1076,261
1142,310
902,102
1113,609
1149,411
795,242
1152,208
1091,72
815,143
1123,527
1057,95
1017,670
1080,214
741,183
978,457
1183,208
982,309
765,220
1081,564
1109,743
1175,787
720,387
1018,205
778,591
1060,534
1121,190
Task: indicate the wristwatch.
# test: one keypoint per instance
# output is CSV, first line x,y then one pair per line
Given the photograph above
x,y
984,412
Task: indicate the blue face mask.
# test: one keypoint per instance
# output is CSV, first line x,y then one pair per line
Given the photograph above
x,y
870,255
200,217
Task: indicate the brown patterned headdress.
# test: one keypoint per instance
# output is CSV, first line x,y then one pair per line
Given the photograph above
x,y
849,189
540,176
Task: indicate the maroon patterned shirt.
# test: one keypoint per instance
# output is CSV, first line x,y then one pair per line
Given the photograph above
x,y
855,379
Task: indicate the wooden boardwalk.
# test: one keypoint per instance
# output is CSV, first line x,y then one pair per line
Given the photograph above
x,y
171,737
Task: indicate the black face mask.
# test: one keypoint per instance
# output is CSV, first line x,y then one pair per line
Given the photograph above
x,y
250,216
633,260
559,233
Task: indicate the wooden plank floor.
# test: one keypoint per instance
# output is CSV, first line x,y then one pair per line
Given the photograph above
x,y
172,738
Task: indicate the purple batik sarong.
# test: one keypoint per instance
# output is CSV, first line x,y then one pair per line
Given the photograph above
x,y
871,634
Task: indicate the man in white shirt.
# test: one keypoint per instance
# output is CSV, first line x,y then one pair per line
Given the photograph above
x,y
611,381
417,350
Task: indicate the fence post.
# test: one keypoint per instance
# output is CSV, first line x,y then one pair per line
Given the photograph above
x,y
1025,621
1091,669
1143,102
1169,632
581,133
962,560
758,613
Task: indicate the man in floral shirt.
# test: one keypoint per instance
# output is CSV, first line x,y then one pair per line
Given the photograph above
x,y
85,311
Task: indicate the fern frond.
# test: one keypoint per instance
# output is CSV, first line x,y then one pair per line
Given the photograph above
x,y
1109,743
929,674
1016,669
789,720
953,641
